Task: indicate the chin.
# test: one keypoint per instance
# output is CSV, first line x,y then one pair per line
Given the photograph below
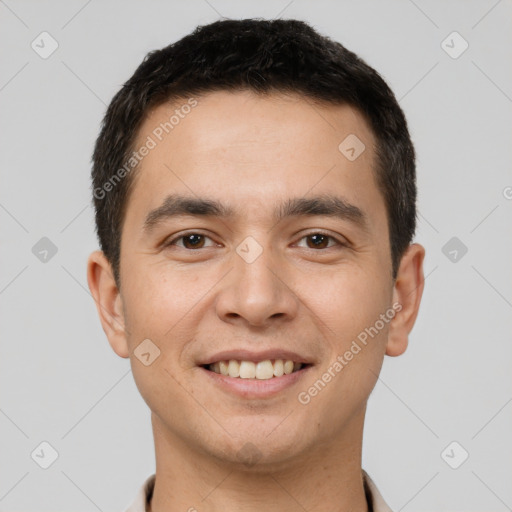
x,y
258,453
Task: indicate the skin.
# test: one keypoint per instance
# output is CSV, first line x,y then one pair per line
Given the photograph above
x,y
252,152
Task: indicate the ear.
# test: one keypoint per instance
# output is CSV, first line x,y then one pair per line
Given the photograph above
x,y
108,301
407,293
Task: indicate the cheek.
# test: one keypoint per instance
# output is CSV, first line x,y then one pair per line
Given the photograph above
x,y
353,300
159,299
357,335
166,306
157,307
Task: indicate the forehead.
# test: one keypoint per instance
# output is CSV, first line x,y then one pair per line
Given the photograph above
x,y
233,123
252,151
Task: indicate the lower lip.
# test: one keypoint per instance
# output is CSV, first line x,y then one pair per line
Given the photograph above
x,y
256,388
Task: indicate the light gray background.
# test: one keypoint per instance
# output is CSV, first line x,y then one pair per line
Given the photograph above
x,y
61,382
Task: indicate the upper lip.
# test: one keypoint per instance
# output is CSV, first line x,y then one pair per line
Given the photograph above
x,y
250,355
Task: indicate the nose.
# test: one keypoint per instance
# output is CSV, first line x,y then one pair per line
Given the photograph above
x,y
257,293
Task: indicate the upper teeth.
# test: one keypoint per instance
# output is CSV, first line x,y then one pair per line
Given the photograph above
x,y
250,370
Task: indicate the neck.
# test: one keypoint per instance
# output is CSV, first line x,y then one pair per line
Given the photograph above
x,y
327,478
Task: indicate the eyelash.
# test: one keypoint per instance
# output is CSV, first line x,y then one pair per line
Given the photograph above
x,y
180,237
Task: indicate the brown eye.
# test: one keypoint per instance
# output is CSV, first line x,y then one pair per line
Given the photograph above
x,y
320,241
193,241
189,241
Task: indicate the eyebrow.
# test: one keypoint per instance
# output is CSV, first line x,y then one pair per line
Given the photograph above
x,y
176,205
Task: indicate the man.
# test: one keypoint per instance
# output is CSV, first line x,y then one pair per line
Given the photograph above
x,y
254,186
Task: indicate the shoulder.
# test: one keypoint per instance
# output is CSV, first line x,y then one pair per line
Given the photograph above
x,y
139,504
373,496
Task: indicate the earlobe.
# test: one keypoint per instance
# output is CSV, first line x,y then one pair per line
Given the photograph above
x,y
108,302
407,294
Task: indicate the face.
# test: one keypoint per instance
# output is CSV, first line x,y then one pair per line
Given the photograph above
x,y
259,273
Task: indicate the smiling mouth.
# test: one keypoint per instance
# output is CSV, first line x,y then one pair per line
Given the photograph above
x,y
261,370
